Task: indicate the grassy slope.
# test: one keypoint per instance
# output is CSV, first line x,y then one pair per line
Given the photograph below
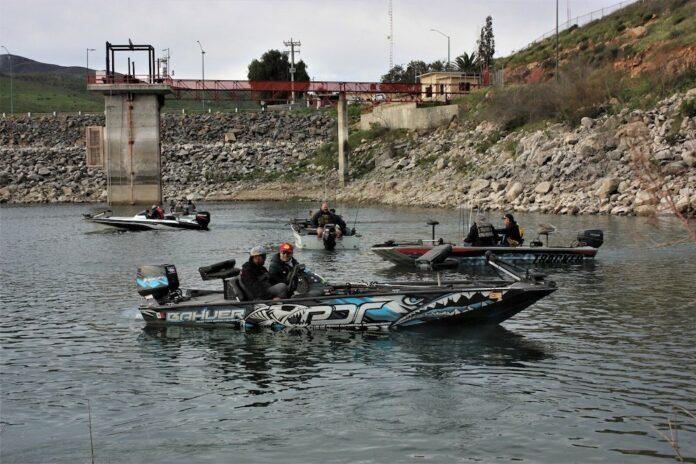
x,y
616,39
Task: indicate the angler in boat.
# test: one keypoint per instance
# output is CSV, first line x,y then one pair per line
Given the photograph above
x,y
327,218
282,264
315,303
482,232
433,254
257,279
325,230
510,234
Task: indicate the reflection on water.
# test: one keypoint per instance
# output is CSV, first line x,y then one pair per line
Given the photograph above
x,y
583,375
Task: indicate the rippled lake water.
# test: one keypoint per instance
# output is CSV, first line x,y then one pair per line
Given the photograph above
x,y
589,374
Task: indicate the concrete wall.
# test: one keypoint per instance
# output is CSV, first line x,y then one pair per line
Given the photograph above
x,y
133,173
408,116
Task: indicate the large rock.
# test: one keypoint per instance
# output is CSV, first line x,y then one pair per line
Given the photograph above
x,y
644,198
543,187
514,191
587,123
479,185
645,210
607,187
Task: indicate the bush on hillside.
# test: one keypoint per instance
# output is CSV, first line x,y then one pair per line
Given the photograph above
x,y
580,90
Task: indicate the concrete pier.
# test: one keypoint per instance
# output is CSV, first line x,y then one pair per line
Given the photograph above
x,y
343,147
132,155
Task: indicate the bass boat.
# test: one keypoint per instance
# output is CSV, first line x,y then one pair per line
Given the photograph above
x,y
316,304
306,237
197,221
436,254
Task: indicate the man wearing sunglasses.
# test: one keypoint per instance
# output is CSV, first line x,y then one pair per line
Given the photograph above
x,y
282,263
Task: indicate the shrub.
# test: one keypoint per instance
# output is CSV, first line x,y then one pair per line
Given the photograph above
x,y
620,27
688,108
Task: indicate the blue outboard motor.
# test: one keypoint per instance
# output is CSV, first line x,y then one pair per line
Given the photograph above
x,y
157,281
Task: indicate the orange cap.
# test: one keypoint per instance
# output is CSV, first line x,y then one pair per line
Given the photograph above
x,y
285,247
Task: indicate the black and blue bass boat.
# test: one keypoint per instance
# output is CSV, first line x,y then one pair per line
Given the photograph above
x,y
316,304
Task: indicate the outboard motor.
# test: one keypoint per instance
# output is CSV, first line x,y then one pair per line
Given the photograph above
x,y
593,238
157,281
329,236
203,218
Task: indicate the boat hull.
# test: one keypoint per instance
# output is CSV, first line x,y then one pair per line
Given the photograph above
x,y
406,255
311,242
139,224
454,306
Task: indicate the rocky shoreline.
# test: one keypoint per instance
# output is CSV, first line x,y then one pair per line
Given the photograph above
x,y
588,169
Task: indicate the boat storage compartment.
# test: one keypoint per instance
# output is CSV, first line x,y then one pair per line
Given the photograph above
x,y
157,280
592,237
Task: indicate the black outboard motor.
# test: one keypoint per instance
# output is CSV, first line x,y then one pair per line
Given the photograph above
x,y
157,281
593,238
329,236
203,218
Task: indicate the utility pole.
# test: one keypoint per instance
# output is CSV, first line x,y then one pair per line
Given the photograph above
x,y
9,57
292,44
202,74
87,54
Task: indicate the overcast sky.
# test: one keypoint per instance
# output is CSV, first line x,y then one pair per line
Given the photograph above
x,y
341,39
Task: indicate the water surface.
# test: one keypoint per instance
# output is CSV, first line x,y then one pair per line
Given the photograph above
x,y
585,375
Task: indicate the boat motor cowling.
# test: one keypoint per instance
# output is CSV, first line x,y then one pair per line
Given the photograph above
x,y
329,236
592,237
203,218
157,280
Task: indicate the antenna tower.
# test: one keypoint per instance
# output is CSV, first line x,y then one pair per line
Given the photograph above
x,y
391,36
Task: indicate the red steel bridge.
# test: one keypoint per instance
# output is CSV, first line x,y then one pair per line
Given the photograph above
x,y
215,90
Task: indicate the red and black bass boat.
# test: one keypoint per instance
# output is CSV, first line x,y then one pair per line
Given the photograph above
x,y
434,254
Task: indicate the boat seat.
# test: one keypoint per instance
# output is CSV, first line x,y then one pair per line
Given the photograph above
x,y
234,289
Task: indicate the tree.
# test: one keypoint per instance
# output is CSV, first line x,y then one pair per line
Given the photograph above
x,y
396,74
467,62
486,44
436,66
275,66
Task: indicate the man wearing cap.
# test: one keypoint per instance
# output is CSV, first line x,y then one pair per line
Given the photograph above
x,y
282,263
511,235
482,232
256,279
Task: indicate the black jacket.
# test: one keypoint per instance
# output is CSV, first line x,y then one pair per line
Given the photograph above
x,y
256,281
279,270
321,218
511,232
487,237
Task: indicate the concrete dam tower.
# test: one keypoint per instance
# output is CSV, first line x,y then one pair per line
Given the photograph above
x,y
132,155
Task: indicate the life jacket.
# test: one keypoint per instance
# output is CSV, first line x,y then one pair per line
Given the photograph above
x,y
485,230
324,219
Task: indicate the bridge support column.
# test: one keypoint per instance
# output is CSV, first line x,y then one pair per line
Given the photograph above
x,y
343,147
132,157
